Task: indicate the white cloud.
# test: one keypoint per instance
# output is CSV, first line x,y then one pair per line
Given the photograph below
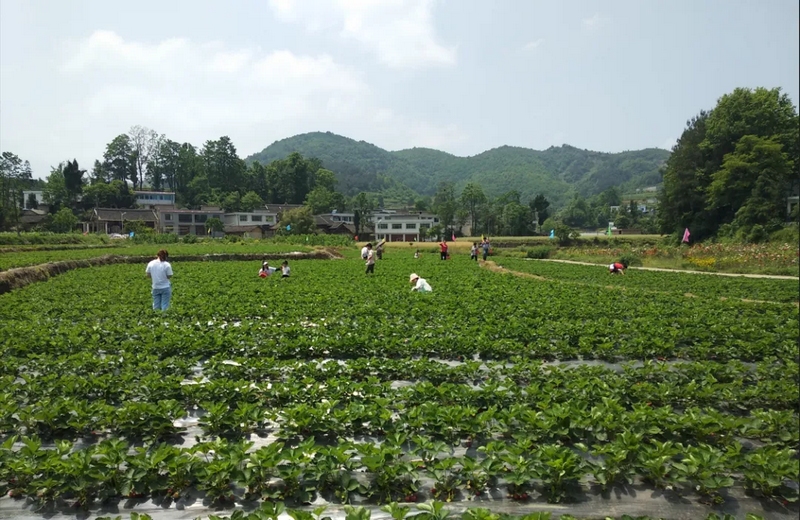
x,y
399,32
593,21
532,45
198,91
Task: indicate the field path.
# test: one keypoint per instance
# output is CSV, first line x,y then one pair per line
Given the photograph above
x,y
743,275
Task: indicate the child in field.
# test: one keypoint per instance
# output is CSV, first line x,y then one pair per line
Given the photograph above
x,y
285,269
416,254
443,249
617,268
420,284
473,252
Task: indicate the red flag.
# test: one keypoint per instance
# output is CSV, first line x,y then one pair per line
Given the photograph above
x,y
454,237
686,236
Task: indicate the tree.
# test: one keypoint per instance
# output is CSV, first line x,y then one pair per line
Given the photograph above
x,y
444,204
214,225
163,166
73,180
223,167
99,173
32,202
363,206
577,213
751,186
471,199
297,221
325,179
251,201
516,219
322,200
55,191
539,205
14,173
232,202
119,159
144,144
64,221
698,161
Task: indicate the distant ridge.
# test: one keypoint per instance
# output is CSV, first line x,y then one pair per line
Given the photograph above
x,y
557,172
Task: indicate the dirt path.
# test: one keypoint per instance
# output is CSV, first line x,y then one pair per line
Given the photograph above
x,y
742,275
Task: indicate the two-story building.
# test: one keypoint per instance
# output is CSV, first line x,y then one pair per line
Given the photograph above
x,y
186,221
402,226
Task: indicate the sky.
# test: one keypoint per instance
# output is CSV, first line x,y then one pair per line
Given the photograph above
x,y
462,76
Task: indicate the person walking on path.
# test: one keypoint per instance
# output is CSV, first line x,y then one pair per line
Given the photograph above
x,y
420,284
617,268
485,246
443,249
370,259
160,271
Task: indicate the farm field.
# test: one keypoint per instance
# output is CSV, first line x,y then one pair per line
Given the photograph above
x,y
10,260
332,387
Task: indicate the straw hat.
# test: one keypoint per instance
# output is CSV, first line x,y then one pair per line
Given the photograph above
x,y
413,277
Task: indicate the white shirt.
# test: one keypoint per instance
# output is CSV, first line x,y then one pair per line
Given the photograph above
x,y
159,272
285,270
364,252
422,286
268,270
371,257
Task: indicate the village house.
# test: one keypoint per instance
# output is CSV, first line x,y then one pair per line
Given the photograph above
x,y
110,220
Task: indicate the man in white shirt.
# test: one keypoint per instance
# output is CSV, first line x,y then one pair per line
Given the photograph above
x,y
370,259
420,284
160,271
364,252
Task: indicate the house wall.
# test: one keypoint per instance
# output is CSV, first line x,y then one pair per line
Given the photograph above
x,y
402,227
255,218
186,222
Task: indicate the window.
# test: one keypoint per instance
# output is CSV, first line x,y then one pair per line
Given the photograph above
x,y
397,226
436,220
242,218
168,216
411,226
184,217
269,218
200,218
256,218
424,226
383,226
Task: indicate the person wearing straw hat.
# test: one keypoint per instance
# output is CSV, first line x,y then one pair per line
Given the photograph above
x,y
420,284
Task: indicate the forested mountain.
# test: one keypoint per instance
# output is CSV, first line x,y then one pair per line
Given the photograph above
x,y
555,172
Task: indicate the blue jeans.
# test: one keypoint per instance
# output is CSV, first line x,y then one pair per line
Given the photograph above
x,y
161,298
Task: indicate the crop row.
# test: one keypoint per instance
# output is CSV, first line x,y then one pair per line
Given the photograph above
x,y
698,285
403,468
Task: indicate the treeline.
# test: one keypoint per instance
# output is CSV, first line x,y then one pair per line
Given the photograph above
x,y
733,168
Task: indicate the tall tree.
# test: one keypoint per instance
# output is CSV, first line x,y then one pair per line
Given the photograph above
x,y
14,173
119,158
73,180
99,173
539,205
162,168
471,199
445,204
56,194
363,206
144,143
223,167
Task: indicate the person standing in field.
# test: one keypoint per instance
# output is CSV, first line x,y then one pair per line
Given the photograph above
x,y
485,246
473,252
365,250
443,249
370,259
379,251
160,271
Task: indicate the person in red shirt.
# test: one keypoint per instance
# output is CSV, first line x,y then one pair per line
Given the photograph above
x,y
443,247
617,268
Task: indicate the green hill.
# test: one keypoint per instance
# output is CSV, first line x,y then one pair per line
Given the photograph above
x,y
557,172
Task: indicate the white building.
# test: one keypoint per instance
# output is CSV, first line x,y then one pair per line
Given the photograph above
x,y
186,221
402,226
37,194
155,198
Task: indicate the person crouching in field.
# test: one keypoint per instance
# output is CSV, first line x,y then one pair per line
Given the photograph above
x,y
285,269
420,284
266,270
617,268
160,271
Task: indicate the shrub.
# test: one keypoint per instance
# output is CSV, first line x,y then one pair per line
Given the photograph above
x,y
539,252
757,234
629,259
189,239
787,235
